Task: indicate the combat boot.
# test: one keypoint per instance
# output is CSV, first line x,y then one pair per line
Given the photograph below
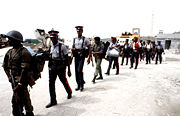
x,y
101,77
94,79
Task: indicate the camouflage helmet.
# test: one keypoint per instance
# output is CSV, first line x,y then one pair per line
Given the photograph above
x,y
15,35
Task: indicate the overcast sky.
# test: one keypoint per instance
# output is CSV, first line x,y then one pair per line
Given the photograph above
x,y
104,18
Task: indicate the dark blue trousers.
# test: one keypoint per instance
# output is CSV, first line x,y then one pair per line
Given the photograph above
x,y
61,73
115,59
125,54
135,55
79,63
148,57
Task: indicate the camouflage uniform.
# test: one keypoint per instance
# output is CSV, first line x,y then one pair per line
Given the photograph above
x,y
15,63
98,58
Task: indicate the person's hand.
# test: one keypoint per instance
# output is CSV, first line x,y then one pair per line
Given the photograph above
x,y
112,47
72,49
16,88
89,59
10,79
93,53
69,73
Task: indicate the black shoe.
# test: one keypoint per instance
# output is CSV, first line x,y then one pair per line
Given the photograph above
x,y
146,63
69,96
121,64
78,88
106,73
130,67
100,78
84,82
51,104
81,89
135,68
126,63
117,73
29,114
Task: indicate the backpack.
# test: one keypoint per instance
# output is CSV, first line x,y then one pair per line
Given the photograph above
x,y
36,66
106,45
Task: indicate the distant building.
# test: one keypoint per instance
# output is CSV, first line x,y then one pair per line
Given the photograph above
x,y
169,41
145,38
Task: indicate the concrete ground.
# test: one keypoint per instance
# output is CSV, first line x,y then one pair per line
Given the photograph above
x,y
151,90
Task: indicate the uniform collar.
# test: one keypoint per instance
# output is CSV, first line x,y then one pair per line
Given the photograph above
x,y
55,45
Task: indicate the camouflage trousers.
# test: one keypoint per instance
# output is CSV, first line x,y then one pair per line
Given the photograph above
x,y
98,66
20,99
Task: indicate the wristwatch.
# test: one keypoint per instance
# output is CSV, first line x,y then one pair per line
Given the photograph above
x,y
20,84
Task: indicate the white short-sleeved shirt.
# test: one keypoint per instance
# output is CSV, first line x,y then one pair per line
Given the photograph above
x,y
114,45
78,42
148,46
126,46
55,51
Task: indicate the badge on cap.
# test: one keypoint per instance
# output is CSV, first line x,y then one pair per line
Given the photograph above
x,y
113,37
53,33
79,28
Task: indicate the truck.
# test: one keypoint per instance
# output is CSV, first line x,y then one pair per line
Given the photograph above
x,y
127,35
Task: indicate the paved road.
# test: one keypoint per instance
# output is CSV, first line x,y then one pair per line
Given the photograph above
x,y
151,90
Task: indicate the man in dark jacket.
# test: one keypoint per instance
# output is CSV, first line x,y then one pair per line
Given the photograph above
x,y
159,51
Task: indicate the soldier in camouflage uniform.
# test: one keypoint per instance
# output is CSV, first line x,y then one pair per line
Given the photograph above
x,y
16,66
97,52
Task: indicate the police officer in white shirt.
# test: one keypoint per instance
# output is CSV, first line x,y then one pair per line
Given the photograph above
x,y
126,50
135,53
57,67
81,50
113,45
148,52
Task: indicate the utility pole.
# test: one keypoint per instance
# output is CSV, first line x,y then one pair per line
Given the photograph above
x,y
152,25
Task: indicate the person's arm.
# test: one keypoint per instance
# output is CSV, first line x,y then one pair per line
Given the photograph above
x,y
8,74
100,51
73,46
69,69
89,56
6,70
65,52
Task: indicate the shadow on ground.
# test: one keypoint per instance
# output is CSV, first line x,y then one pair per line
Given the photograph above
x,y
61,110
72,107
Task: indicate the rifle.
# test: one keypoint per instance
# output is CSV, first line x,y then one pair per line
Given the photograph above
x,y
92,61
17,99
